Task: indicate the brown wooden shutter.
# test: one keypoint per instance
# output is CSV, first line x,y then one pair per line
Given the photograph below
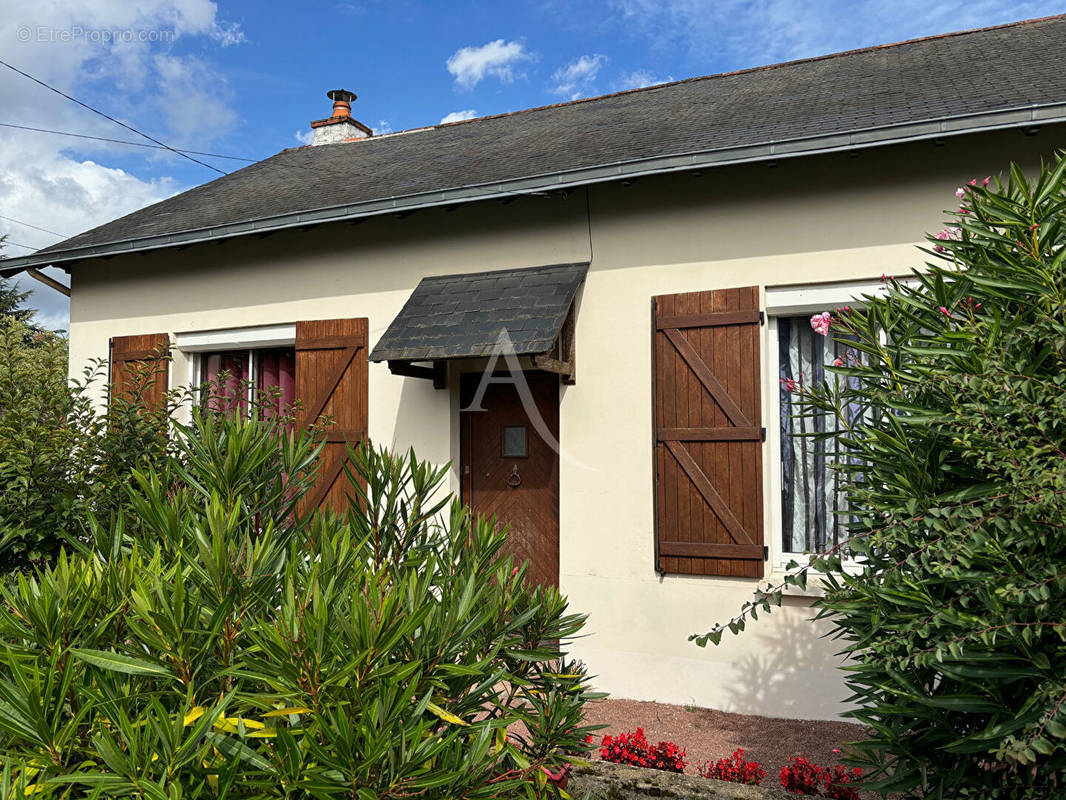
x,y
331,383
140,366
708,435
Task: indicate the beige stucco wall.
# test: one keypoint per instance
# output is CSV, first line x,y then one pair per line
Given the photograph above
x,y
811,220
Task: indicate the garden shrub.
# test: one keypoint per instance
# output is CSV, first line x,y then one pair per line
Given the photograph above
x,y
63,458
735,769
956,622
225,647
633,748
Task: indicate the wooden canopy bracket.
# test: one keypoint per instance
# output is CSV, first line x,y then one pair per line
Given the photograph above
x,y
562,358
438,373
47,281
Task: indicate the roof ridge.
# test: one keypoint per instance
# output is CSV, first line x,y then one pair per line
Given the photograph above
x,y
731,73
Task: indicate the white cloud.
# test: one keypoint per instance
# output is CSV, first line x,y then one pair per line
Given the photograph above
x,y
304,137
575,80
118,56
497,59
384,126
637,79
67,195
458,116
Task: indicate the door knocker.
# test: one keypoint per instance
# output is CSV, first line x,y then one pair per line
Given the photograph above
x,y
514,480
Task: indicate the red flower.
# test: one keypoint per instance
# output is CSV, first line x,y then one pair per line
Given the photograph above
x,y
734,769
633,748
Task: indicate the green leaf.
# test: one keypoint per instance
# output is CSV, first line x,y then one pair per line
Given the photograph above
x,y
116,662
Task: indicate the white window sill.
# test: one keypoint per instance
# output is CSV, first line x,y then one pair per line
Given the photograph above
x,y
815,587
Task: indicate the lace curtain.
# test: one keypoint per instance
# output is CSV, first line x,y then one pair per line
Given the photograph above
x,y
813,502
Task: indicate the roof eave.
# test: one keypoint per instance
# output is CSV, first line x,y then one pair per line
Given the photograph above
x,y
865,138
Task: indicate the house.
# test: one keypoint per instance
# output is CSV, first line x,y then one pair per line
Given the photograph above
x,y
588,309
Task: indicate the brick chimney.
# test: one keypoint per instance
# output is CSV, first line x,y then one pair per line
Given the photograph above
x,y
340,127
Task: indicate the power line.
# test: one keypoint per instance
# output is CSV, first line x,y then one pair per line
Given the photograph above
x,y
106,116
35,227
122,141
31,249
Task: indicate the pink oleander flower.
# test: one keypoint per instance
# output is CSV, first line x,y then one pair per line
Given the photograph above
x,y
960,193
790,384
973,182
986,181
838,362
821,322
944,311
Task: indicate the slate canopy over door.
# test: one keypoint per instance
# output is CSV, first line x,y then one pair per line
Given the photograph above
x,y
708,433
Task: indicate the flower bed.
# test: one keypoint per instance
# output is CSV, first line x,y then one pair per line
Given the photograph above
x,y
798,777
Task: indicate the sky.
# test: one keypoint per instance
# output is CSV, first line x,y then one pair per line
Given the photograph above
x,y
243,79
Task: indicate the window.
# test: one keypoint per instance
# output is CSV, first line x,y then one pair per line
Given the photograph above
x,y
514,441
813,503
238,378
807,506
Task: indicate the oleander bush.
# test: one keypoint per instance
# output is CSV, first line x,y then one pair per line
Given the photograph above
x,y
211,642
955,436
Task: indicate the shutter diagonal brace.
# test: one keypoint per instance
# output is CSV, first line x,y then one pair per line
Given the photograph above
x,y
709,493
710,382
331,384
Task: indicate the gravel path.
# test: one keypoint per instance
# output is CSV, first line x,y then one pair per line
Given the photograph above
x,y
709,735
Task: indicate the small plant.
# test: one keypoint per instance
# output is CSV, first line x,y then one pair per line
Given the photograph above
x,y
801,776
734,769
633,748
836,783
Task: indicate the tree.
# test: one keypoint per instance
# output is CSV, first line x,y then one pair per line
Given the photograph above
x,y
12,299
953,408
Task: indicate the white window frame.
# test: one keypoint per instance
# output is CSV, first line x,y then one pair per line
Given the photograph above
x,y
791,301
195,344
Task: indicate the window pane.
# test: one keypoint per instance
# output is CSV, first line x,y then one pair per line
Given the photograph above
x,y
224,379
812,497
514,441
275,380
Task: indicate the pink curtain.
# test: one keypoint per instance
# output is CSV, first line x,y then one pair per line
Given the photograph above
x,y
276,383
224,376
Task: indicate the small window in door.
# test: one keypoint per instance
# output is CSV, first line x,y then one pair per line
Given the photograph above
x,y
514,441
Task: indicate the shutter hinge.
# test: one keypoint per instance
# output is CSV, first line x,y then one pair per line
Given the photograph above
x,y
765,552
762,318
762,433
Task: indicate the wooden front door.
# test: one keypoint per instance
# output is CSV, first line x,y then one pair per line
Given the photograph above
x,y
510,471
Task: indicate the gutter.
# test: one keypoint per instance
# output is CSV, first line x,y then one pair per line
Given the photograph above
x,y
937,128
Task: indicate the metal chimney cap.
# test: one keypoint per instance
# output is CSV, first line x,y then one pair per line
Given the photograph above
x,y
341,95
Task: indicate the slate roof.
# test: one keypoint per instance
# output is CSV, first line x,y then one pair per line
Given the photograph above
x,y
996,77
461,316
